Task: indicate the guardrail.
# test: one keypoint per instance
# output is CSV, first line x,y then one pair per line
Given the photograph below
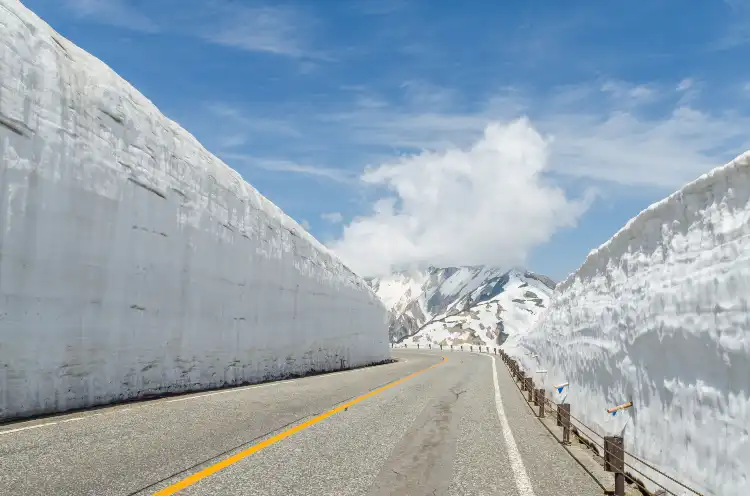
x,y
457,347
613,447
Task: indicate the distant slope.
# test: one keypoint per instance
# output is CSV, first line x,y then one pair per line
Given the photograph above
x,y
456,305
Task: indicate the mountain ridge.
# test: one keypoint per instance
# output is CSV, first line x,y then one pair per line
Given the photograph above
x,y
472,304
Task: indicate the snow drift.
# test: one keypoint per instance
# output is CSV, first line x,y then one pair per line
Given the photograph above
x,y
659,315
134,262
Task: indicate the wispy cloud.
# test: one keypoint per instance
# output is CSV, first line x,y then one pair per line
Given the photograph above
x,y
628,94
242,128
737,31
332,217
112,12
262,28
277,30
648,134
380,7
280,165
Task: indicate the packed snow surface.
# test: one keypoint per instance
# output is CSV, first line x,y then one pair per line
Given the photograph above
x,y
659,315
134,262
461,305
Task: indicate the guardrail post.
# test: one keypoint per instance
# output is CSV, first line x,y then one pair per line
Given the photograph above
x,y
441,347
559,419
471,348
540,401
462,347
614,461
564,411
530,387
451,347
417,345
522,378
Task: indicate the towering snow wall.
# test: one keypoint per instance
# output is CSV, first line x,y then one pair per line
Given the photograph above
x,y
659,315
134,262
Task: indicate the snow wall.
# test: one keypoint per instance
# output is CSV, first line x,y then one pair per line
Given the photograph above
x,y
133,262
659,315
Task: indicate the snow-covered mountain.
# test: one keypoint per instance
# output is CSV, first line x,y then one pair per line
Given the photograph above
x,y
456,305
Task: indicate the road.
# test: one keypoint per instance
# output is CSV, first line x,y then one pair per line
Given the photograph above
x,y
430,424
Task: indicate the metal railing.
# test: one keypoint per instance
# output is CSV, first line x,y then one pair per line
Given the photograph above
x,y
613,447
447,347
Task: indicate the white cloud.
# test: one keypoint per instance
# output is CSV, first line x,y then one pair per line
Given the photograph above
x,y
332,217
113,12
493,201
305,224
487,204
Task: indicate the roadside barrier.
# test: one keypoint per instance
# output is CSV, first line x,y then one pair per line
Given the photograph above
x,y
612,447
417,346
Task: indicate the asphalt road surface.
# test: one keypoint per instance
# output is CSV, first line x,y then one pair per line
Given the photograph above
x,y
431,424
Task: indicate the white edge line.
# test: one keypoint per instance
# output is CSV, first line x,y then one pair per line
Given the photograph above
x,y
27,428
516,462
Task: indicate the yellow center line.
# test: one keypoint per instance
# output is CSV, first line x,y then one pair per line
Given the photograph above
x,y
212,469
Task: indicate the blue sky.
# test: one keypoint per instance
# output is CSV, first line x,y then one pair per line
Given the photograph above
x,y
368,121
